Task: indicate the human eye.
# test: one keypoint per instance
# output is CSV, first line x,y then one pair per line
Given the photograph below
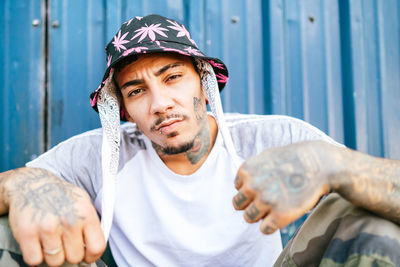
x,y
173,77
135,92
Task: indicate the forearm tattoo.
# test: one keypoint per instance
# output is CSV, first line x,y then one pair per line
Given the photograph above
x,y
372,183
46,194
298,173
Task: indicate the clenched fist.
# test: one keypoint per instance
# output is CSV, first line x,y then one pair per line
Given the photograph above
x,y
52,220
281,184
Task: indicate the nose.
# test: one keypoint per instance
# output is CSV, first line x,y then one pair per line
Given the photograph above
x,y
161,100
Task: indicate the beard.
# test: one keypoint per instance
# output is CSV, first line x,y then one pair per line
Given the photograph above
x,y
171,150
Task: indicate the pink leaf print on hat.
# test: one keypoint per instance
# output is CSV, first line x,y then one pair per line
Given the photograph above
x,y
193,51
135,49
174,50
150,31
129,21
216,65
181,30
94,100
109,58
221,78
120,41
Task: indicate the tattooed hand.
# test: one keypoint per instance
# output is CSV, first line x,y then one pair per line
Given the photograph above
x,y
282,184
51,220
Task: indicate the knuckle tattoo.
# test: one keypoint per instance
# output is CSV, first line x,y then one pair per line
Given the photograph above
x,y
252,212
240,199
268,229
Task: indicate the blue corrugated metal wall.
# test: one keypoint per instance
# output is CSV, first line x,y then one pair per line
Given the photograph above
x,y
335,64
22,76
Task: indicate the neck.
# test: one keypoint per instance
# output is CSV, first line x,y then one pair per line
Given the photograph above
x,y
188,162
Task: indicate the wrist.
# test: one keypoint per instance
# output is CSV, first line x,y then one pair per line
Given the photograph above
x,y
339,177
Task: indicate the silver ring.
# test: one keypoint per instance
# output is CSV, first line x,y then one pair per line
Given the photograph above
x,y
52,251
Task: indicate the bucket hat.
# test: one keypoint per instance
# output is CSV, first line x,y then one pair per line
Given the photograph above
x,y
152,34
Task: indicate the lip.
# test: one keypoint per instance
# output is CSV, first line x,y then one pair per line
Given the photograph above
x,y
168,126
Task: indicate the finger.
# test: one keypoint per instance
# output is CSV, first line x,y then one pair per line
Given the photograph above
x,y
242,198
27,236
269,224
53,250
255,211
94,241
240,178
31,249
74,247
238,181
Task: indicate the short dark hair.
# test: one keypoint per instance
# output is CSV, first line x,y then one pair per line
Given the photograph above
x,y
124,62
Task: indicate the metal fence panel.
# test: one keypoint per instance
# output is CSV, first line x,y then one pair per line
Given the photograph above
x,y
76,63
372,84
303,62
22,82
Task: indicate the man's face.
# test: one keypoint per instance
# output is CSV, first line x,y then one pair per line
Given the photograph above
x,y
162,94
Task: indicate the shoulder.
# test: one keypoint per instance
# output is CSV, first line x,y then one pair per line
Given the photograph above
x,y
239,121
130,135
252,134
84,150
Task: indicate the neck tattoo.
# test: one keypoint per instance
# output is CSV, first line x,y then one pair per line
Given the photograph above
x,y
201,142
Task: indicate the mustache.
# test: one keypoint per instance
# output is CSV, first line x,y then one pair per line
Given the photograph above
x,y
169,116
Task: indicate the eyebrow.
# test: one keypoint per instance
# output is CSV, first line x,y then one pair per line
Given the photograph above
x,y
132,83
157,73
167,67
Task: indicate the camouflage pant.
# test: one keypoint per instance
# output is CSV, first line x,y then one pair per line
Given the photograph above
x,y
339,234
335,234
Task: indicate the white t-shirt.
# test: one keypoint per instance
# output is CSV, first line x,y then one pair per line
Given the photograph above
x,y
166,219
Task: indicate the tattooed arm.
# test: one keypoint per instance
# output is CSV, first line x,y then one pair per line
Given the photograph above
x,y
49,214
281,184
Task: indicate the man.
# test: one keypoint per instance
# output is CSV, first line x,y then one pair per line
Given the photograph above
x,y
164,185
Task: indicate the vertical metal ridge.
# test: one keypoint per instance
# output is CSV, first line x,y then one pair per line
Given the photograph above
x,y
266,58
248,48
6,129
326,67
378,22
46,130
89,33
347,74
